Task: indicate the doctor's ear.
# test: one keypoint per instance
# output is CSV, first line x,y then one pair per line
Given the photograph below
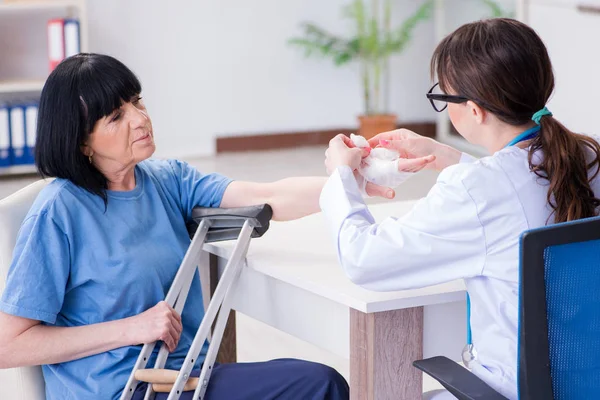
x,y
477,112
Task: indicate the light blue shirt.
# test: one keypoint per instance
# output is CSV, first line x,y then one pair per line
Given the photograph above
x,y
76,264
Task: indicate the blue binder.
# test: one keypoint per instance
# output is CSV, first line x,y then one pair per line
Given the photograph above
x,y
5,148
71,37
16,116
31,115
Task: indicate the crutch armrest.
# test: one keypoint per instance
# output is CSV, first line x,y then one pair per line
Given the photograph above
x,y
234,217
226,223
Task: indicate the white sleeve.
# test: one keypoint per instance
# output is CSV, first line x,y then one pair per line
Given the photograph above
x,y
441,239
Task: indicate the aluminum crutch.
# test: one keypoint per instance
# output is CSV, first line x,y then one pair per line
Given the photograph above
x,y
213,225
222,297
182,278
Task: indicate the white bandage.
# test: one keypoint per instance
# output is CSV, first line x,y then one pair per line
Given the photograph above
x,y
380,167
359,141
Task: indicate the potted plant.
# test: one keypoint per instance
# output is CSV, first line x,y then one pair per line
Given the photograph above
x,y
371,45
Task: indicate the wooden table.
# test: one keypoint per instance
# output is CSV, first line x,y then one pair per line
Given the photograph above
x,y
293,282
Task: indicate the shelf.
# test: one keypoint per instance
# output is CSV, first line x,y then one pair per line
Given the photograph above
x,y
17,86
36,5
18,170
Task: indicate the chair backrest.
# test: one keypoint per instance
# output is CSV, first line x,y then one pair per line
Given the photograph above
x,y
559,332
17,383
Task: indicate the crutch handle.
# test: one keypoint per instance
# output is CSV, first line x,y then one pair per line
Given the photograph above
x,y
157,375
226,223
166,387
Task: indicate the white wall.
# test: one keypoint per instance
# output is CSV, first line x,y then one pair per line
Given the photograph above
x,y
575,58
459,12
212,68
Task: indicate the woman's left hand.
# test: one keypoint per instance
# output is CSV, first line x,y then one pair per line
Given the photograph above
x,y
342,152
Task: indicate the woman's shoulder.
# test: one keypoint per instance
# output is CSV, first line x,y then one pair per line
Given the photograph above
x,y
57,198
163,168
173,172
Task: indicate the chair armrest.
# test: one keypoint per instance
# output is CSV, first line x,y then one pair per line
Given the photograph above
x,y
458,380
226,223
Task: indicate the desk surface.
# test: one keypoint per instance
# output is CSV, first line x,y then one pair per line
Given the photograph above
x,y
302,253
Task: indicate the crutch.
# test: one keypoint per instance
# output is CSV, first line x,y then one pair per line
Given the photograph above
x,y
207,225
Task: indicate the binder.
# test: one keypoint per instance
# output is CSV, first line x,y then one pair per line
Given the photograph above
x,y
31,115
71,35
16,116
4,137
56,42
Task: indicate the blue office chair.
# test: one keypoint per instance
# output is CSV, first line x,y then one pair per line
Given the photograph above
x,y
559,320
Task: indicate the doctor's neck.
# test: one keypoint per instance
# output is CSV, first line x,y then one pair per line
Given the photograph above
x,y
497,136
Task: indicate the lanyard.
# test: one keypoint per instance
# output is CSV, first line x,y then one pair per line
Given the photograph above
x,y
468,352
528,134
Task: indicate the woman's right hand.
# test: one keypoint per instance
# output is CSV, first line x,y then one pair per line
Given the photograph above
x,y
409,144
160,322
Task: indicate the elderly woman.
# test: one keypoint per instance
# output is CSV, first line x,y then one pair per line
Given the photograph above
x,y
102,243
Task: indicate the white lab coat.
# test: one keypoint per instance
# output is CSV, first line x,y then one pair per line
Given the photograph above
x,y
467,227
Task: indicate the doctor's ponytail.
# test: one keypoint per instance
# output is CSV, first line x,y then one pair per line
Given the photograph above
x,y
503,66
564,164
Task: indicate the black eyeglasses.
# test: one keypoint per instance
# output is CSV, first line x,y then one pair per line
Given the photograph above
x,y
439,101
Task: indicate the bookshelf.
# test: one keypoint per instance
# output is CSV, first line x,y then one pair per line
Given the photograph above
x,y
20,86
25,66
24,5
16,170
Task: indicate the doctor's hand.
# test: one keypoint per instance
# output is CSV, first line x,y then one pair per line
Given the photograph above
x,y
411,145
342,152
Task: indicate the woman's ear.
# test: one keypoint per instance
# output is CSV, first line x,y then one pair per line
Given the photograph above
x,y
86,150
477,112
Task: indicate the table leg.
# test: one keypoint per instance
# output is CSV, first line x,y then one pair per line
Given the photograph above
x,y
228,350
383,346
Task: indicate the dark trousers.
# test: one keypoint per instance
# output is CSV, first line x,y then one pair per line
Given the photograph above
x,y
277,379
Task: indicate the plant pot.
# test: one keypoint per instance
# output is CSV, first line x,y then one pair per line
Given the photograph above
x,y
371,125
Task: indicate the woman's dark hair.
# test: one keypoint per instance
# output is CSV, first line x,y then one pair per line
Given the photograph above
x,y
502,65
81,90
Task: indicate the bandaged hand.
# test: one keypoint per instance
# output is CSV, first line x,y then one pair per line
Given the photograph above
x,y
386,167
342,152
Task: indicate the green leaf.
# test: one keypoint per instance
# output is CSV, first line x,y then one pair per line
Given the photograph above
x,y
402,36
317,41
342,58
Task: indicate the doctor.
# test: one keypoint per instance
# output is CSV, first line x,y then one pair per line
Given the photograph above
x,y
495,78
